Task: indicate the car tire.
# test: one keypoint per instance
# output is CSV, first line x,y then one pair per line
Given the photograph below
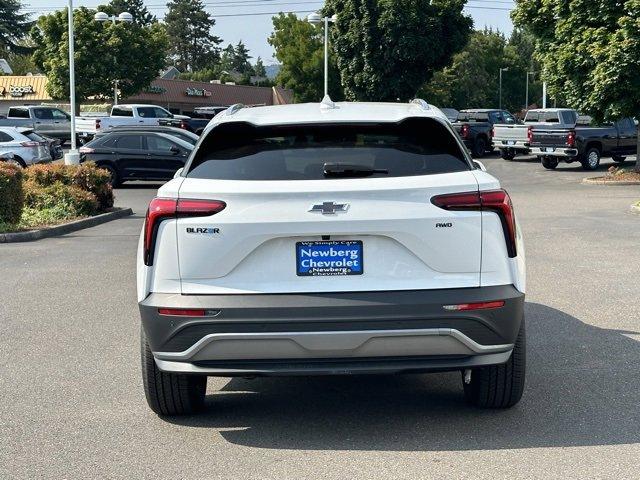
x,y
170,394
113,173
591,160
550,163
17,161
618,158
507,155
499,386
479,147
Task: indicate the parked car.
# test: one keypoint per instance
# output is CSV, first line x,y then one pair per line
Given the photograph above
x,y
514,139
197,122
475,128
187,136
136,155
88,126
52,144
362,240
586,144
26,151
49,121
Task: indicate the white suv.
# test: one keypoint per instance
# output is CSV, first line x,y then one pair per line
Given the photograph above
x,y
342,238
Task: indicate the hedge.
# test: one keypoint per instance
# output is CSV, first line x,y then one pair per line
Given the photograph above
x,y
11,193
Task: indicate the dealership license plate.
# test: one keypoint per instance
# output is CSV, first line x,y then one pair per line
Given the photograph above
x,y
511,142
329,257
549,149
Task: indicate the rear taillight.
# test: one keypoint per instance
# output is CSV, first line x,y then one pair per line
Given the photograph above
x,y
86,150
464,131
492,133
529,134
184,124
30,144
497,201
571,139
182,312
165,208
97,124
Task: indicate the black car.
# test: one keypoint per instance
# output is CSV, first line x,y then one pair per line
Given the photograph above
x,y
137,155
185,135
197,122
475,127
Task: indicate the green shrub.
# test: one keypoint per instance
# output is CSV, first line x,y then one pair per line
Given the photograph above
x,y
87,177
11,193
68,201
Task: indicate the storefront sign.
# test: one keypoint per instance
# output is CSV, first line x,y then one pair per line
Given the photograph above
x,y
155,89
197,92
19,90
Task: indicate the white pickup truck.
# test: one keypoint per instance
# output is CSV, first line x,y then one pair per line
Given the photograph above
x,y
514,139
87,127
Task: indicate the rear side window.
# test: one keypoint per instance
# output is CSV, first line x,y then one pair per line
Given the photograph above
x,y
34,136
5,137
129,142
240,151
121,112
19,113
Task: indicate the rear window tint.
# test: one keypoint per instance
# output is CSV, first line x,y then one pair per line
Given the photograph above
x,y
240,151
473,116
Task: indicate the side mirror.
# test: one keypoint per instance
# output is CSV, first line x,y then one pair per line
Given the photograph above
x,y
480,165
175,150
178,172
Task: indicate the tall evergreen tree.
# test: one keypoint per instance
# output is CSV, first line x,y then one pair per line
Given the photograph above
x,y
259,69
193,45
241,59
14,26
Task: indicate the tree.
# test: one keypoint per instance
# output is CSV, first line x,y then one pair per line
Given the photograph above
x,y
589,51
14,26
141,15
193,46
104,53
387,49
259,69
299,48
241,59
472,78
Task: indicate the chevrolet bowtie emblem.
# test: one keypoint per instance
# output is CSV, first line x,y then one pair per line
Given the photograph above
x,y
329,208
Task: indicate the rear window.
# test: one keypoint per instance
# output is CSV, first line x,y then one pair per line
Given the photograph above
x,y
240,151
34,136
473,116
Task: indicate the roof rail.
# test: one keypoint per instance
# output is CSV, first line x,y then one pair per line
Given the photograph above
x,y
420,103
234,108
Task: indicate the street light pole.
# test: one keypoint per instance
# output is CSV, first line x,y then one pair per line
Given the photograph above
x,y
500,93
317,19
72,157
123,17
526,103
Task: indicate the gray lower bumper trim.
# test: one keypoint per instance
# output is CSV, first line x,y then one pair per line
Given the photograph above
x,y
335,367
352,344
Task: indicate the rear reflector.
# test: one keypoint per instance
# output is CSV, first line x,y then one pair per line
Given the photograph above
x,y
182,312
474,306
165,208
30,144
497,201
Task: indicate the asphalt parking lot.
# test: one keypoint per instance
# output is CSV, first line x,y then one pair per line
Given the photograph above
x,y
72,405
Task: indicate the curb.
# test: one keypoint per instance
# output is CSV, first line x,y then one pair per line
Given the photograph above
x,y
32,235
600,181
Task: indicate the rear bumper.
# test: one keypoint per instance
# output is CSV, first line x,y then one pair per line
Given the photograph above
x,y
329,333
557,152
519,145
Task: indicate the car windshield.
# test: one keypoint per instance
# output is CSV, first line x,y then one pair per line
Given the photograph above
x,y
240,151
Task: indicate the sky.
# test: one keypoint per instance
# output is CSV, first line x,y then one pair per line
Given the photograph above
x,y
244,19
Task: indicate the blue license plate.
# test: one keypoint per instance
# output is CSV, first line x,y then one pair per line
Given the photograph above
x,y
329,257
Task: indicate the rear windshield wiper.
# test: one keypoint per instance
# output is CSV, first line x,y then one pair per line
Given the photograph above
x,y
348,170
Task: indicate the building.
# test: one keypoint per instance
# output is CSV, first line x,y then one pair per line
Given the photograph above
x,y
178,96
